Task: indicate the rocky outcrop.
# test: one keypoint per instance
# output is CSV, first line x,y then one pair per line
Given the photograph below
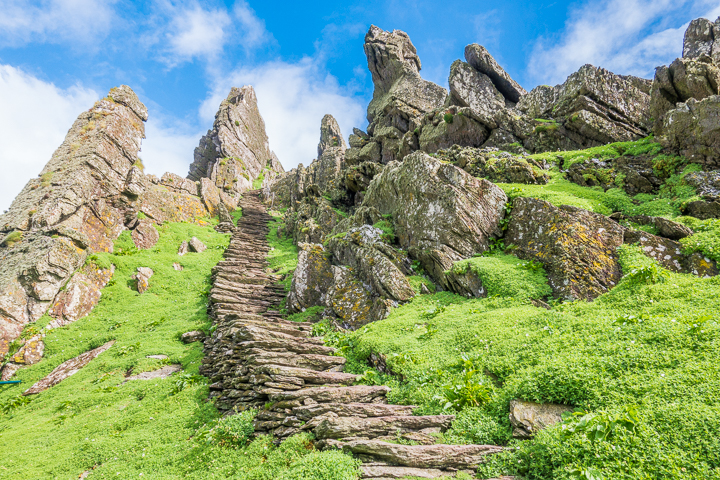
x,y
480,59
692,130
142,278
668,254
592,107
312,279
528,418
236,151
80,203
496,166
702,39
634,174
440,213
576,247
80,295
67,369
330,135
145,235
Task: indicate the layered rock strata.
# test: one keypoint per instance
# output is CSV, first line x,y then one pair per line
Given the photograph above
x,y
236,151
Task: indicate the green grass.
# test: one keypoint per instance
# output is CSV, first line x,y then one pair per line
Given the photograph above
x,y
645,146
560,191
157,429
507,276
283,254
643,344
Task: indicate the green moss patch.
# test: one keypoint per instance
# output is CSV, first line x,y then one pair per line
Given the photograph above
x,y
507,276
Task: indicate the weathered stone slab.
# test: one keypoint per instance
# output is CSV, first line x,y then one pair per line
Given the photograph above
x,y
67,369
528,418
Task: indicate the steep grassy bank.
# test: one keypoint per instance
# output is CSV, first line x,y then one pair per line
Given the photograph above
x,y
160,429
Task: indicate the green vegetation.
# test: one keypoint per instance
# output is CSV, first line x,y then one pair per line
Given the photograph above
x,y
12,238
448,117
236,215
507,276
646,146
386,226
706,239
638,362
283,253
160,429
312,314
237,123
46,179
559,191
139,164
546,126
417,281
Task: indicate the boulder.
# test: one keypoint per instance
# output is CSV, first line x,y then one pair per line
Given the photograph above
x,y
452,126
312,279
196,245
142,278
496,166
470,88
144,235
528,418
184,248
692,130
668,254
194,336
706,184
210,195
178,184
665,228
67,369
31,352
164,205
576,247
373,261
702,209
634,174
440,213
236,150
353,302
481,60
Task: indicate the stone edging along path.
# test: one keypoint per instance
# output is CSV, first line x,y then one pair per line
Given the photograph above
x,y
256,359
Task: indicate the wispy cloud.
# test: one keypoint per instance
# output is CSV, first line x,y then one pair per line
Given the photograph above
x,y
55,21
25,145
293,97
196,32
625,36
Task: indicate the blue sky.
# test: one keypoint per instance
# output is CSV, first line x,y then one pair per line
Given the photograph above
x,y
304,59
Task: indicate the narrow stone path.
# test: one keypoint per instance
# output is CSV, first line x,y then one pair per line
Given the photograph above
x,y
257,359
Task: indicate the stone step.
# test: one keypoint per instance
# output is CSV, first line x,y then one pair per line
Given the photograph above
x,y
354,394
306,375
307,412
382,471
373,427
418,456
312,362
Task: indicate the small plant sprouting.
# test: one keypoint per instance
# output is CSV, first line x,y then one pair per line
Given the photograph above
x,y
448,117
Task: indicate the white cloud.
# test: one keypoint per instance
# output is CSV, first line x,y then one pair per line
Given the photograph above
x,y
293,98
55,21
34,120
195,32
253,29
624,36
169,146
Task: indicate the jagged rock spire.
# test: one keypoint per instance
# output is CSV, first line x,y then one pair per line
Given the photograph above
x,y
700,39
79,203
480,59
395,66
237,149
330,135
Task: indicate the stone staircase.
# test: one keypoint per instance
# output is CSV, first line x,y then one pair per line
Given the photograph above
x,y
256,359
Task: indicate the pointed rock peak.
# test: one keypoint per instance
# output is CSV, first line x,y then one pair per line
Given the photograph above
x,y
481,60
125,96
330,135
236,151
390,55
702,38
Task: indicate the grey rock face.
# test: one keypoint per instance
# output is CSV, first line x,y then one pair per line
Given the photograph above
x,y
700,39
470,88
194,336
481,60
693,131
594,105
79,202
576,247
236,150
401,96
440,213
196,245
668,254
312,279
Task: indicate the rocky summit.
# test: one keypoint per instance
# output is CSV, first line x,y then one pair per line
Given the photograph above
x,y
484,282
